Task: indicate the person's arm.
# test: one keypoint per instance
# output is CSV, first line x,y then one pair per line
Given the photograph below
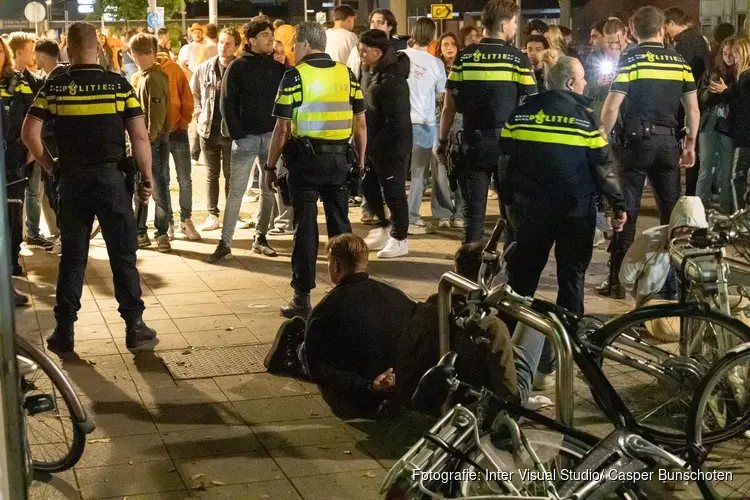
x,y
231,97
195,85
692,118
288,97
186,99
524,78
452,89
132,115
617,92
279,138
158,109
31,131
396,108
359,123
604,171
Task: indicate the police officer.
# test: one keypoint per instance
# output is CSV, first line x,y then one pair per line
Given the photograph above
x,y
486,83
651,81
321,106
91,108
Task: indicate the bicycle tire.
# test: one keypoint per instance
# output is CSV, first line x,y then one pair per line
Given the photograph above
x,y
703,394
609,333
78,438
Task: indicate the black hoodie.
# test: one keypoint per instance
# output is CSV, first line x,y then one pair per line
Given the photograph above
x,y
248,91
389,134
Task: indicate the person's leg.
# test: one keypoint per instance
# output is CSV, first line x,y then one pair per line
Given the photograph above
x,y
244,152
286,212
442,205
474,184
573,252
118,230
336,205
633,178
76,220
374,195
195,144
709,150
420,159
529,345
212,154
15,224
393,181
267,198
161,197
33,208
306,238
179,146
664,176
49,204
226,163
740,164
724,167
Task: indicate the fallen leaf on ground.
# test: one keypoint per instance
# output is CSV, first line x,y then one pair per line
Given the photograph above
x,y
230,328
217,483
198,482
347,452
100,440
130,463
371,474
171,469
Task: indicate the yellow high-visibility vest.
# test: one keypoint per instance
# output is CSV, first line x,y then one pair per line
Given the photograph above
x,y
326,110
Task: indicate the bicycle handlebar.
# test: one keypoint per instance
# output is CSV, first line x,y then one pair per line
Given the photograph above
x,y
495,238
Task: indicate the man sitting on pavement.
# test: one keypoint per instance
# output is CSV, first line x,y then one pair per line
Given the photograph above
x,y
364,333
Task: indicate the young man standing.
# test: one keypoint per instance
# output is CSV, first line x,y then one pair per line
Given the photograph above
x,y
164,42
153,93
216,147
248,92
197,51
340,40
535,47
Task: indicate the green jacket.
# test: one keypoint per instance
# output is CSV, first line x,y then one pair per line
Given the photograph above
x,y
153,92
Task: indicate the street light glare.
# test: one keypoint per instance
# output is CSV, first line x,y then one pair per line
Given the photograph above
x,y
49,2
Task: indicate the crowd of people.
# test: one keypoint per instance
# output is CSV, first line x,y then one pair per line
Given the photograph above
x,y
470,113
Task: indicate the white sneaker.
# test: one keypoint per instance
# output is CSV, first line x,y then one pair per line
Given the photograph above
x,y
56,249
377,238
188,229
444,223
394,248
212,223
421,227
598,238
457,223
545,381
243,224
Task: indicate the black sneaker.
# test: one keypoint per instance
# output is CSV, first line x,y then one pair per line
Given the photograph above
x,y
222,252
299,306
282,358
61,341
261,246
143,241
139,337
39,242
603,290
20,299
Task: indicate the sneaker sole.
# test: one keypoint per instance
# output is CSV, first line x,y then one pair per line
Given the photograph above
x,y
148,346
211,261
393,256
164,250
261,252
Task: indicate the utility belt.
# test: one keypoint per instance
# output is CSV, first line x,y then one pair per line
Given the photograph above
x,y
473,138
635,129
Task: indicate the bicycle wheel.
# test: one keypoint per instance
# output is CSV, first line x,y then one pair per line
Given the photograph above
x,y
657,375
722,407
56,439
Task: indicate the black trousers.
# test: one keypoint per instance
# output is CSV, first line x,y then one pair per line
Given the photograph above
x,y
84,194
483,163
323,176
16,192
217,151
385,182
658,160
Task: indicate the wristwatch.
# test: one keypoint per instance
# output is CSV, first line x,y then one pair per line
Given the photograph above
x,y
267,168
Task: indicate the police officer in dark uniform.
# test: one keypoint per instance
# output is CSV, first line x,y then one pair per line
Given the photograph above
x,y
651,83
321,106
91,108
485,84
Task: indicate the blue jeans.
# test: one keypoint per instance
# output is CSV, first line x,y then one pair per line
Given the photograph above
x,y
244,153
422,159
716,168
33,207
179,146
533,353
160,172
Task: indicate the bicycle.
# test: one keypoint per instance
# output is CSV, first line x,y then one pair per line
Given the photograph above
x,y
555,322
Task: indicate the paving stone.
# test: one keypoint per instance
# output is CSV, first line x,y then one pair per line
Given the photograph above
x,y
125,480
323,459
208,323
195,417
167,341
61,486
113,419
164,495
220,338
362,485
123,450
210,441
261,411
320,431
184,392
265,490
247,467
187,298
258,386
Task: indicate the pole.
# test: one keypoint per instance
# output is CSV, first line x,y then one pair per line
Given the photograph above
x,y
518,31
66,17
566,13
305,10
213,12
184,22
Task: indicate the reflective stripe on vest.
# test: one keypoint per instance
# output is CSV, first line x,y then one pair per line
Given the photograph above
x,y
326,110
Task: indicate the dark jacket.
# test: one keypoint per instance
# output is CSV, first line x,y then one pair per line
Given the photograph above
x,y
740,110
248,92
389,133
16,97
351,338
558,159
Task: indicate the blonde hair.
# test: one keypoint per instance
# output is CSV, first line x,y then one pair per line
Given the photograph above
x,y
742,46
8,63
558,69
556,39
19,39
349,250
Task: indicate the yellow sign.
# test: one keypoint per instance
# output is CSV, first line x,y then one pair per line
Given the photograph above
x,y
442,10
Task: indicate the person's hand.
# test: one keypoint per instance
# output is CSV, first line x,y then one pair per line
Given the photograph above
x,y
718,86
440,151
386,381
605,79
144,190
618,222
272,180
687,158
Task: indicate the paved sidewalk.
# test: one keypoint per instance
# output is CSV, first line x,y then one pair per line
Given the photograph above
x,y
251,436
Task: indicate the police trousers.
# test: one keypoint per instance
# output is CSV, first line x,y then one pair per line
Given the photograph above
x,y
483,164
658,160
312,177
98,192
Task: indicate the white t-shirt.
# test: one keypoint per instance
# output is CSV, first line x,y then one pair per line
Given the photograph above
x,y
196,53
339,44
426,79
355,61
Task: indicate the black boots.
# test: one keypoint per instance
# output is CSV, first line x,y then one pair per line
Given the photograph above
x,y
299,306
139,337
61,341
603,289
283,358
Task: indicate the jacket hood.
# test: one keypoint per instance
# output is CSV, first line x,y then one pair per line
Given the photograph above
x,y
688,212
394,62
152,69
164,60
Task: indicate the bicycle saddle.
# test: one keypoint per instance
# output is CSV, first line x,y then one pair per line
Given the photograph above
x,y
434,386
